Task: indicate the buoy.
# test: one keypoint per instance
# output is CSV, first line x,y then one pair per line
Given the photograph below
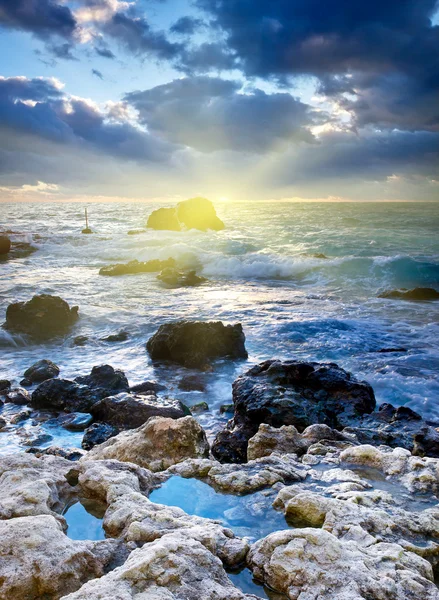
x,y
87,228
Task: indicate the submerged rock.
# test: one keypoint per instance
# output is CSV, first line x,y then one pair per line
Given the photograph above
x,y
192,383
416,294
195,213
5,244
41,370
134,266
122,336
174,278
195,343
17,395
290,393
156,445
129,411
147,387
98,433
79,395
42,317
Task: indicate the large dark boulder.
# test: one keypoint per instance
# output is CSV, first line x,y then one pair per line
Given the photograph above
x,y
174,278
194,344
290,393
195,213
41,370
5,244
80,395
419,294
43,317
134,266
129,411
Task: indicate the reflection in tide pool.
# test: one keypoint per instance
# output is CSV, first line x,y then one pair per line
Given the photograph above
x,y
251,515
243,580
84,521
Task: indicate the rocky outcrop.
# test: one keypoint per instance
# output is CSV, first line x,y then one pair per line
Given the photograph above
x,y
37,560
290,393
156,445
194,343
129,411
41,370
314,563
134,266
195,213
175,279
419,294
80,395
16,395
43,317
5,244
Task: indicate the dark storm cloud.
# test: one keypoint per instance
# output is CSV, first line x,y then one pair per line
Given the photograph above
x,y
210,114
43,18
36,107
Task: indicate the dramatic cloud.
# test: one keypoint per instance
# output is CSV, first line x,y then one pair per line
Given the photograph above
x,y
43,18
211,114
186,26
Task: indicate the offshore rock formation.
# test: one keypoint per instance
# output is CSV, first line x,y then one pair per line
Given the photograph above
x,y
195,213
134,266
419,294
175,279
194,344
290,393
5,244
42,318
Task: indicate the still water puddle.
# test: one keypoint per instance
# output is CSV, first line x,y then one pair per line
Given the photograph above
x,y
84,520
251,515
243,580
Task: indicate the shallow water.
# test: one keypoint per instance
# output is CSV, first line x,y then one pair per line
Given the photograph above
x,y
251,515
84,521
243,580
262,273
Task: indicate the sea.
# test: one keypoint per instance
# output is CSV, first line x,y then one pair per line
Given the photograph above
x,y
302,278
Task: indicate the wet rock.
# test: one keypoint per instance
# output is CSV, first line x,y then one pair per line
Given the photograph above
x,y
21,416
174,278
17,395
199,408
5,384
419,294
35,438
129,411
157,444
287,440
290,393
80,340
195,213
135,266
172,567
79,395
226,408
314,563
194,344
136,231
19,250
98,433
148,387
3,423
41,370
39,561
192,383
77,421
43,317
122,336
5,244
71,454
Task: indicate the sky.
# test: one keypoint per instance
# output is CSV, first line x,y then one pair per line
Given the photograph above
x,y
228,99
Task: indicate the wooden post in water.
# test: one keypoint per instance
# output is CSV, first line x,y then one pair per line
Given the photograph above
x,y
87,228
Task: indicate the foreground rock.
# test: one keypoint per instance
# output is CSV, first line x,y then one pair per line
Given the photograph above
x,y
134,266
98,433
41,370
194,344
195,213
129,411
43,317
174,278
5,244
290,393
157,444
80,395
312,563
419,294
